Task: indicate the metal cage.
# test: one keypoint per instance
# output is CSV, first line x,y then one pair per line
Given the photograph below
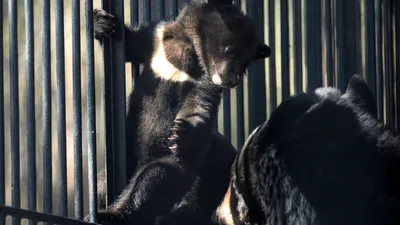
x,y
55,135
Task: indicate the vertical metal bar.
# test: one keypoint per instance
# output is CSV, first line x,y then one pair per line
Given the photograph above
x,y
256,78
313,46
379,70
239,106
108,115
2,154
352,36
77,108
347,36
285,49
91,101
297,57
134,23
146,11
339,50
135,71
240,116
370,65
387,44
271,59
227,113
146,15
31,124
46,116
160,9
173,8
61,140
397,19
328,42
119,98
14,114
134,12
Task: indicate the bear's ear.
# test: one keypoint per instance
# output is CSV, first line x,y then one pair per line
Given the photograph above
x,y
172,31
361,95
221,2
176,44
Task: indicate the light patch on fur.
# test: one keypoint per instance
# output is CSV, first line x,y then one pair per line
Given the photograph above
x,y
216,78
328,93
159,63
224,213
241,207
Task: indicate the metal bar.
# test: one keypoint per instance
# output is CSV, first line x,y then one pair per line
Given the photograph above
x,y
339,50
387,40
14,114
379,69
22,213
397,18
134,12
370,65
46,116
271,59
173,8
328,42
297,45
91,101
313,45
240,116
134,23
46,110
77,109
108,113
160,4
256,78
61,129
239,106
31,124
146,11
215,125
2,154
135,74
285,82
356,38
352,36
227,113
118,56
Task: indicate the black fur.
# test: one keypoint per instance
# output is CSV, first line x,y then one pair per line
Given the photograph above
x,y
179,166
322,158
192,25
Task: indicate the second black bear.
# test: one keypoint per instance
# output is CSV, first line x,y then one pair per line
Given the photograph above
x,y
323,159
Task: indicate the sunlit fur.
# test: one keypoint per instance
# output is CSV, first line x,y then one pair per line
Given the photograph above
x,y
223,212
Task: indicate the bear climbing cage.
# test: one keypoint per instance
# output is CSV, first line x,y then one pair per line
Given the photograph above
x,y
49,158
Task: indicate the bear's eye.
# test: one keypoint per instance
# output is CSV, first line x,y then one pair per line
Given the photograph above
x,y
230,51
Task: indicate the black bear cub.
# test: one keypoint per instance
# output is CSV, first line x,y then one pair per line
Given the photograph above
x,y
178,165
323,159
